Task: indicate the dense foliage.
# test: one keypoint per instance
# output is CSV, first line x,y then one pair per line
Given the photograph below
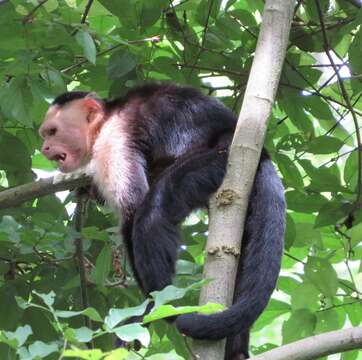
x,y
108,46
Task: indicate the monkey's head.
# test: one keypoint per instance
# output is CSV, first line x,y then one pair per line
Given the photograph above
x,y
70,128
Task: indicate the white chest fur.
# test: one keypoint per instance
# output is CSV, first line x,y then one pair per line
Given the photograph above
x,y
111,162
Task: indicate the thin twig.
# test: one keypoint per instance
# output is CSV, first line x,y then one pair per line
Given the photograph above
x,y
86,11
188,347
317,91
206,26
153,39
294,258
318,65
351,276
28,17
84,16
80,213
211,69
348,104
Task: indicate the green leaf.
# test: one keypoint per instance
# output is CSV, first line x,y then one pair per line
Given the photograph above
x,y
94,233
16,100
324,145
287,284
185,267
115,316
118,354
322,274
90,312
355,53
83,334
322,178
331,213
318,107
17,338
305,296
290,232
19,159
41,349
311,9
230,27
274,309
300,325
39,161
245,17
21,334
171,292
304,202
165,311
121,63
172,355
356,234
13,343
9,230
204,8
350,355
290,103
51,5
132,332
350,168
290,172
354,311
306,235
103,265
47,298
151,11
94,354
329,320
86,42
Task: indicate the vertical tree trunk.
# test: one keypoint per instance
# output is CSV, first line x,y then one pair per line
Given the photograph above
x,y
228,207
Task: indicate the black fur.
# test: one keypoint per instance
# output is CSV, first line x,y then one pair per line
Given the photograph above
x,y
182,137
68,97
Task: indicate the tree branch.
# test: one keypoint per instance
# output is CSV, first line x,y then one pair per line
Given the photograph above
x,y
227,219
19,194
79,215
316,346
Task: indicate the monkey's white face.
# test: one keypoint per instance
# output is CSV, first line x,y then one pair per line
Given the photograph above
x,y
67,136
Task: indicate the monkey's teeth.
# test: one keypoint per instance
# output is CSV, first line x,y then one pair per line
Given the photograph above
x,y
59,157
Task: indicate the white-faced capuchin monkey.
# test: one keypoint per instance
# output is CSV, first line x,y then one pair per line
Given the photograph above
x,y
155,155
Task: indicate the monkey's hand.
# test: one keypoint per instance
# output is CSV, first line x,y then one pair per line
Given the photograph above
x,y
92,192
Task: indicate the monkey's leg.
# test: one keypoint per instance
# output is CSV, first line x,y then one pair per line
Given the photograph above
x,y
184,186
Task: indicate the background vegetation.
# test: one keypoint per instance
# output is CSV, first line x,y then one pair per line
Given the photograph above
x,y
108,46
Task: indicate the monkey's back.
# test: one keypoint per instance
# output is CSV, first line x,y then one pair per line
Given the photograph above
x,y
168,121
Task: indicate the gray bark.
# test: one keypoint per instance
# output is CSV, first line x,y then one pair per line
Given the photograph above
x,y
228,208
19,194
317,346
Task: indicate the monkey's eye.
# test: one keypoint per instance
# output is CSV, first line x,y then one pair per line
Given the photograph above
x,y
52,131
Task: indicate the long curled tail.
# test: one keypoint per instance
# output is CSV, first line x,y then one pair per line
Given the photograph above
x,y
259,262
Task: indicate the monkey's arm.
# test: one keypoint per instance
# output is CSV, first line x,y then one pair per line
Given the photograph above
x,y
184,186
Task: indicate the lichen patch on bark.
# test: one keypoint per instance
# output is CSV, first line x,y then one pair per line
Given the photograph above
x,y
226,197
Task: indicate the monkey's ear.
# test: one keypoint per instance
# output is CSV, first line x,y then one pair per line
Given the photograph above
x,y
91,103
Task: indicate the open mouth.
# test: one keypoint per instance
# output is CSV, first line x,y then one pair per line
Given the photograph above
x,y
60,158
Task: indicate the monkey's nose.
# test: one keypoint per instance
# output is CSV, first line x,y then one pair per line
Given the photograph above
x,y
45,150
